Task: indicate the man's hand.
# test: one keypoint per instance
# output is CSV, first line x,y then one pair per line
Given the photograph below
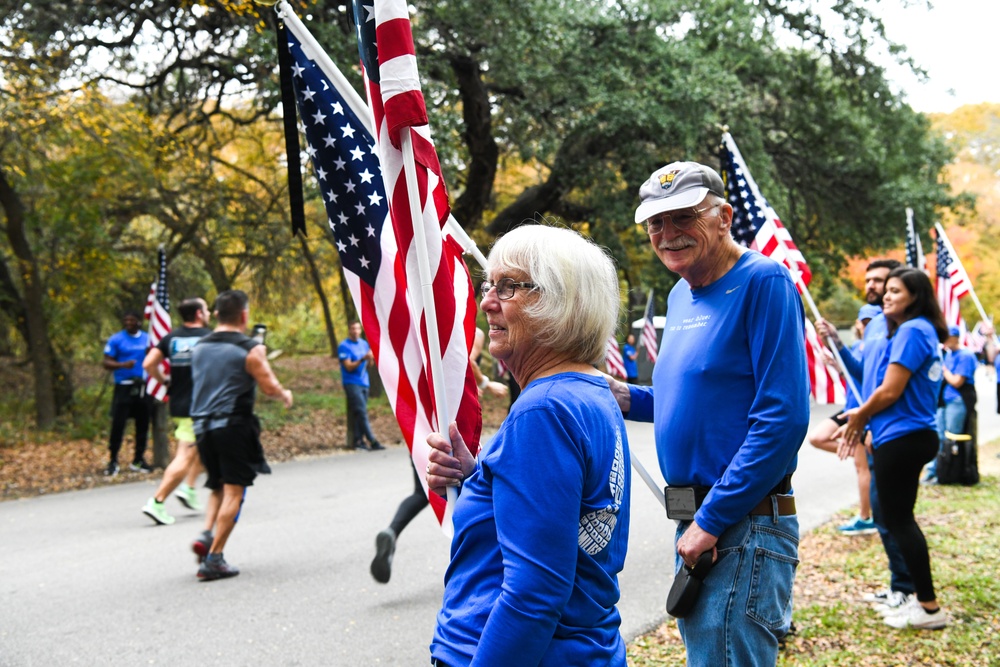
x,y
621,393
128,364
694,542
448,464
286,397
827,331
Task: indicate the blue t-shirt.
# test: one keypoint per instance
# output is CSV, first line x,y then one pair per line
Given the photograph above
x,y
631,367
856,352
541,529
354,350
875,330
123,346
915,347
960,362
731,404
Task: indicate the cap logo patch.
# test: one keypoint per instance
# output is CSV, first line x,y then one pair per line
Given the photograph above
x,y
667,179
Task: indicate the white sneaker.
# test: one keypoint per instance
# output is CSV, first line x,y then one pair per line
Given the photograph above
x,y
896,601
913,615
878,597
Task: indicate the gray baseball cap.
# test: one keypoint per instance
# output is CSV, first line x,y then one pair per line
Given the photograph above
x,y
678,185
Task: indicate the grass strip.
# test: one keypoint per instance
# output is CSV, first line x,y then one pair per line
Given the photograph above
x,y
833,626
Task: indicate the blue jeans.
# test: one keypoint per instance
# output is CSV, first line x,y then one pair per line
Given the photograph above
x,y
745,604
357,413
950,418
899,575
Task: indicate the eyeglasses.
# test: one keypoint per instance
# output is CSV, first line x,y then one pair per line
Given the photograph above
x,y
684,219
505,287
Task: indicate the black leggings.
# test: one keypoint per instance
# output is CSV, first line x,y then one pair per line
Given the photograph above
x,y
897,478
410,507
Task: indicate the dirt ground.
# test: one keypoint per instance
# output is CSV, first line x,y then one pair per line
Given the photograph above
x,y
31,466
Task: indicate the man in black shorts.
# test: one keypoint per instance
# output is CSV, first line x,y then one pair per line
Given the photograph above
x,y
226,367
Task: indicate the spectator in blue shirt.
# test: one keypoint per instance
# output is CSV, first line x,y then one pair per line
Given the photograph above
x,y
123,354
629,356
959,393
900,405
541,524
731,410
354,354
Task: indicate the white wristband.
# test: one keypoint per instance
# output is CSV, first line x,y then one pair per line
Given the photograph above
x,y
486,381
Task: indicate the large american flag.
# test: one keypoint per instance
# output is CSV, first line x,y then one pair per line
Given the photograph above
x,y
648,337
914,248
952,282
613,358
158,313
756,225
345,158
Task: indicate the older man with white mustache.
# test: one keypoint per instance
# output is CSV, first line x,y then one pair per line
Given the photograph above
x,y
730,412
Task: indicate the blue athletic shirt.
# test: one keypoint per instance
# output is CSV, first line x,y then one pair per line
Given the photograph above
x,y
855,352
541,529
915,347
731,402
124,346
353,350
631,367
960,362
856,363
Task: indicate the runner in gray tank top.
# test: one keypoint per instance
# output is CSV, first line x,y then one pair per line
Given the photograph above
x,y
226,368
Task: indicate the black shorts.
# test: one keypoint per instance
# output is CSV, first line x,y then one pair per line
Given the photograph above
x,y
232,454
840,418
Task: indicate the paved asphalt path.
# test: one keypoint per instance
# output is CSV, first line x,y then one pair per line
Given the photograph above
x,y
86,579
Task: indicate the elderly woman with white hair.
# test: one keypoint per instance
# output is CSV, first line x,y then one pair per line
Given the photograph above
x,y
541,523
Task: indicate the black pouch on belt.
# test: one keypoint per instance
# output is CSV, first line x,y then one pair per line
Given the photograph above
x,y
687,585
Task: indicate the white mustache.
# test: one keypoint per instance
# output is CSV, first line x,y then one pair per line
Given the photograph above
x,y
677,244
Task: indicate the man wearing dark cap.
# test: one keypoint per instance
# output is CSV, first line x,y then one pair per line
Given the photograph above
x,y
959,392
731,410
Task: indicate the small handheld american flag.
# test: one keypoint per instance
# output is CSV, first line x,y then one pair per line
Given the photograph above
x,y
158,313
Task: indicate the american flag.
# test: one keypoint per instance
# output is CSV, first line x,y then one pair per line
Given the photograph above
x,y
975,340
914,249
345,159
648,338
755,224
827,386
158,313
952,282
613,358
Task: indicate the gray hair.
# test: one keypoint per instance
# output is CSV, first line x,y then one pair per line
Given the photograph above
x,y
579,296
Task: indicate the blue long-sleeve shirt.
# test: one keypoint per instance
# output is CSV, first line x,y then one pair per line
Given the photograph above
x,y
541,530
731,403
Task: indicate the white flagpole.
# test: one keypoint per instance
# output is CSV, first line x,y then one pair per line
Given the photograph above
x,y
429,307
918,249
649,299
972,290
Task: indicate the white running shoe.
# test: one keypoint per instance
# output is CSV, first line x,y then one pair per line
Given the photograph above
x,y
913,615
896,602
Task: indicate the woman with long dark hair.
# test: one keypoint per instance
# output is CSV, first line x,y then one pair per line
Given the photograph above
x,y
900,406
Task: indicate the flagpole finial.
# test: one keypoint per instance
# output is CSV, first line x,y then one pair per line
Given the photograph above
x,y
722,128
